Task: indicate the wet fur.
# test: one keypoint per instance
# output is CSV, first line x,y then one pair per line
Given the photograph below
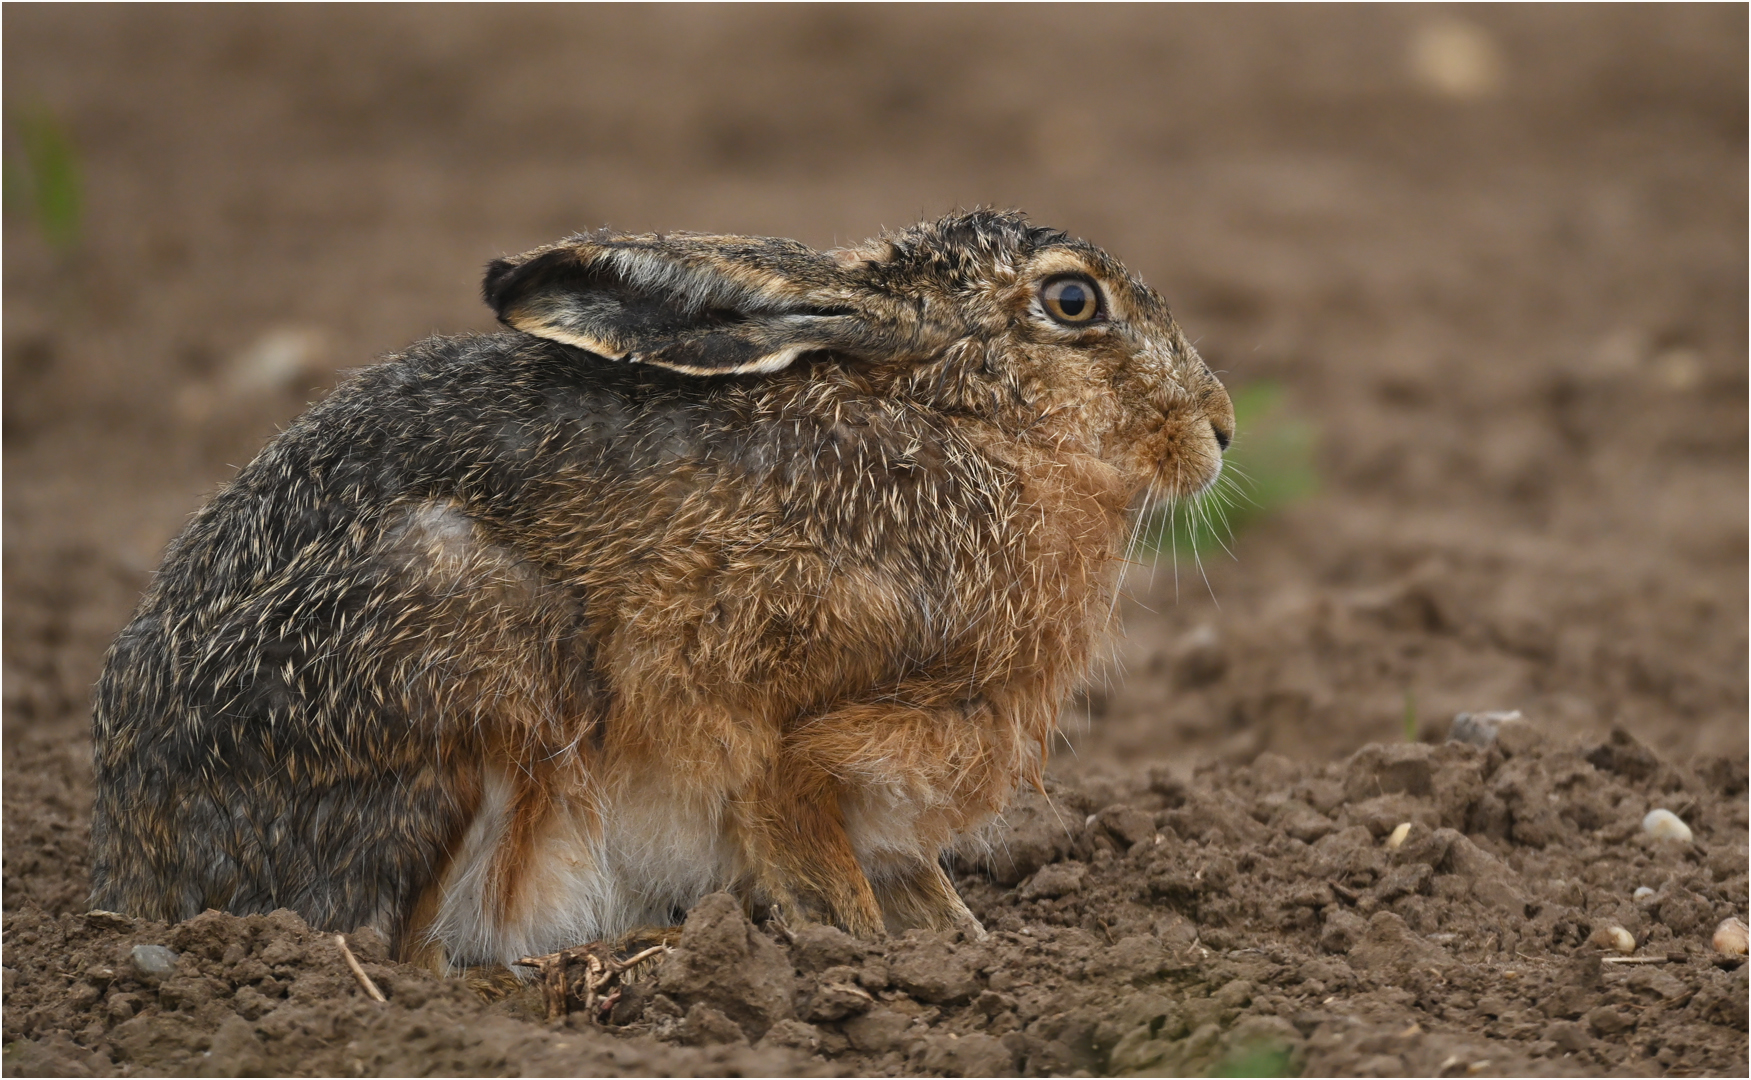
x,y
733,565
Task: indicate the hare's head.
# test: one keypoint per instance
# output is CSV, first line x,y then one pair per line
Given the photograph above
x,y
978,314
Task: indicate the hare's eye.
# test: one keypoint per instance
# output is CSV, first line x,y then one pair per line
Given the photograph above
x,y
1071,298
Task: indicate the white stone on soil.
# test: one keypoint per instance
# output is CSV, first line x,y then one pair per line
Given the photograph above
x,y
1665,825
1729,939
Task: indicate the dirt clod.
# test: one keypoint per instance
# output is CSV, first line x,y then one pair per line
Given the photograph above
x,y
725,968
1177,955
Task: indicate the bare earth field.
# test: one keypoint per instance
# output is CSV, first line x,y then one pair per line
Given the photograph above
x,y
1496,268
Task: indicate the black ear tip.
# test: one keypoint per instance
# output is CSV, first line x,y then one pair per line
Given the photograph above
x,y
498,273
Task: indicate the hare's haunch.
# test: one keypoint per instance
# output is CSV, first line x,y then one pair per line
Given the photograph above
x,y
733,564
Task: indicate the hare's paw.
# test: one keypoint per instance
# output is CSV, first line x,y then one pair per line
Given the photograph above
x,y
920,896
801,861
819,884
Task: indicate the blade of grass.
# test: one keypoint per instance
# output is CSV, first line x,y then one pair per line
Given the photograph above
x,y
49,181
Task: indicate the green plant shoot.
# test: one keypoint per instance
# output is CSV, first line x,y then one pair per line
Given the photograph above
x,y
48,184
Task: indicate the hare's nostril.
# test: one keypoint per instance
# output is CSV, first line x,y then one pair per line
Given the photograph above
x,y
1222,436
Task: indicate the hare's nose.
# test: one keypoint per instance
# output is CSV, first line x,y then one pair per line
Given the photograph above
x,y
1223,435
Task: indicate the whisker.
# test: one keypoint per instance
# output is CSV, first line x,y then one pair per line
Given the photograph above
x,y
1211,589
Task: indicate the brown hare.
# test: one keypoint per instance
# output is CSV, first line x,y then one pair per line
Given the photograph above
x,y
733,564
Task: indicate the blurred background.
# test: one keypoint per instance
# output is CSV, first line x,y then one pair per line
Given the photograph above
x,y
1477,277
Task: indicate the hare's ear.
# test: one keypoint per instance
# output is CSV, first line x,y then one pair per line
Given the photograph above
x,y
700,305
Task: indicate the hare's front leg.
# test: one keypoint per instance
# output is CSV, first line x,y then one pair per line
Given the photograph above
x,y
919,895
801,859
909,779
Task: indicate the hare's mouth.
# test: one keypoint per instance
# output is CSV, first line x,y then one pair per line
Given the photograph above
x,y
1185,509
1186,501
1177,483
1189,464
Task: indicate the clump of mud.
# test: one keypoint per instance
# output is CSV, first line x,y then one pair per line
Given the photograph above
x,y
1273,918
99,994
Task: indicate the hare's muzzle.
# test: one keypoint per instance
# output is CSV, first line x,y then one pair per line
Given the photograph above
x,y
1183,456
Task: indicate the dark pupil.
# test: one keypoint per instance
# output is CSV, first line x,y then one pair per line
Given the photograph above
x,y
1072,299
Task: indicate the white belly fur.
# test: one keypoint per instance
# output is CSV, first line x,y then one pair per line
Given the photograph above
x,y
642,859
637,860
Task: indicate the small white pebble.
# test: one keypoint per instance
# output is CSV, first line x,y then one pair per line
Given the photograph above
x,y
1457,59
1396,840
159,961
1615,938
1665,825
1729,937
1642,892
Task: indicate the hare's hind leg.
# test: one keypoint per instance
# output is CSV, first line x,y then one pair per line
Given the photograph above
x,y
801,860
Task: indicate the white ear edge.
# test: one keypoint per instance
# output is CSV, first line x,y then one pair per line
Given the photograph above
x,y
776,361
538,328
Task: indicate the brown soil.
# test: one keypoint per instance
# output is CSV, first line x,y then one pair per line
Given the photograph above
x,y
1514,310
